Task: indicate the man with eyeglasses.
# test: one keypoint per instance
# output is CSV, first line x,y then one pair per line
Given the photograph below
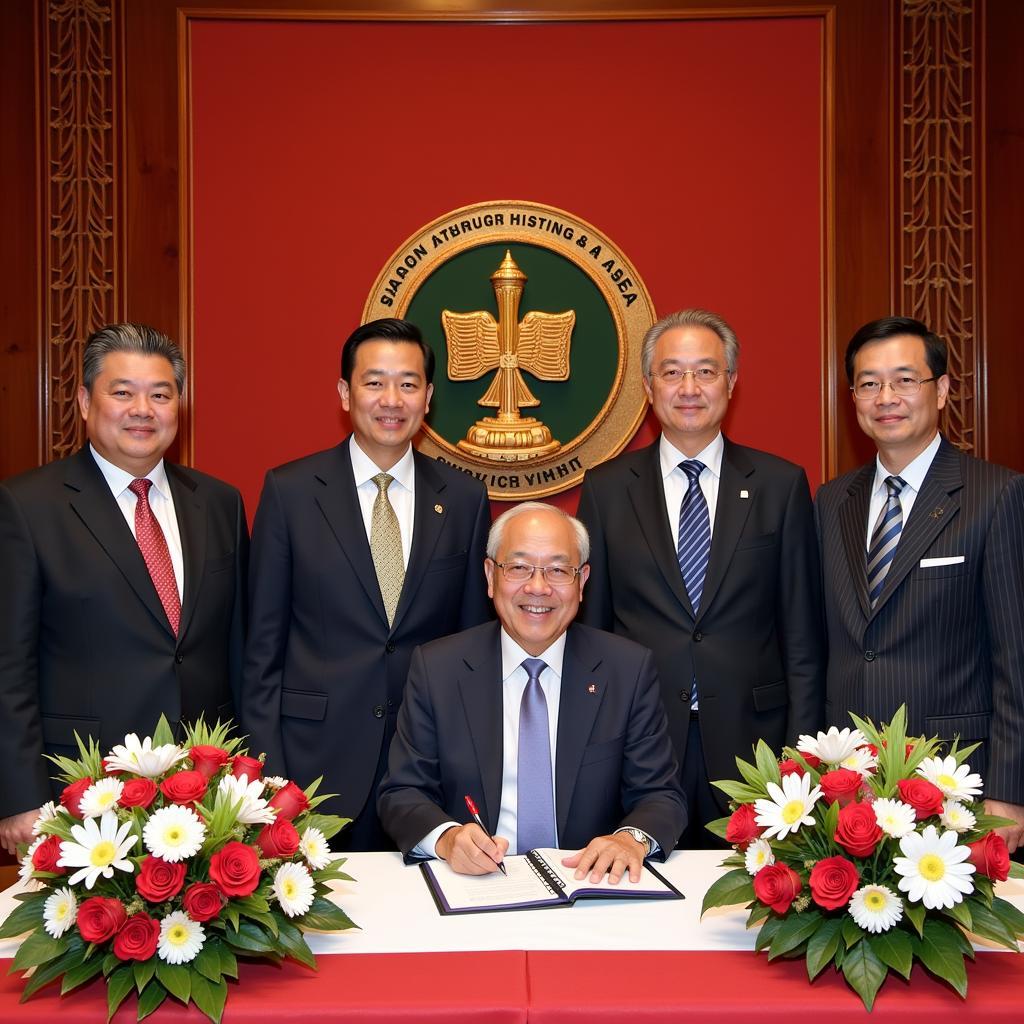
x,y
923,559
555,730
704,551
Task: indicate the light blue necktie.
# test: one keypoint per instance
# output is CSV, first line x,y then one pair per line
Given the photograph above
x,y
885,538
535,810
693,547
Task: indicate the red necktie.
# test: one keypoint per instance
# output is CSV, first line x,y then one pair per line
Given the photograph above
x,y
153,546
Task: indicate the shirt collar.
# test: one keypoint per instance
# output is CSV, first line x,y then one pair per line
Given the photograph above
x,y
364,468
118,480
711,456
913,473
512,655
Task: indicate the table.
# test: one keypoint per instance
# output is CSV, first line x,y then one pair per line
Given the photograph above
x,y
650,962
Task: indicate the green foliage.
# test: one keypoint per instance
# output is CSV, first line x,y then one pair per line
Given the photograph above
x,y
80,974
822,946
151,999
163,734
767,764
199,734
119,984
864,971
325,916
39,948
796,929
176,978
24,917
330,825
209,996
733,887
739,791
895,948
992,925
767,932
143,971
940,951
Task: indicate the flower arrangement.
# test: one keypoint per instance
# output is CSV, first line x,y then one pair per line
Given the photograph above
x,y
163,863
869,852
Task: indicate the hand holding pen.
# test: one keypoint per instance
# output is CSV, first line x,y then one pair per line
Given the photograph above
x,y
466,863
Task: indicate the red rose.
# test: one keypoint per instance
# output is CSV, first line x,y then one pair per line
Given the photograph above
x,y
742,827
833,881
790,767
46,855
202,901
137,940
776,885
100,917
184,787
923,796
236,869
278,839
858,832
138,793
250,767
991,857
840,785
72,796
208,760
290,801
158,880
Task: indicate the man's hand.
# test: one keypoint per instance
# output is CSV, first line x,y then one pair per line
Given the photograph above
x,y
1013,834
469,850
16,829
609,855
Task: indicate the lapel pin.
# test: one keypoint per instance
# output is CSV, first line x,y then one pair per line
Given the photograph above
x,y
592,688
744,494
937,512
438,509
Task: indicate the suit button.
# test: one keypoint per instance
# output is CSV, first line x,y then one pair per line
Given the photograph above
x,y
390,647
698,636
391,703
869,655
378,711
179,658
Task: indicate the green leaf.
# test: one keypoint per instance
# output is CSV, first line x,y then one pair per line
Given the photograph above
x,y
739,791
990,925
293,943
718,827
758,912
54,969
153,995
119,984
751,775
796,929
231,916
915,915
329,824
735,886
325,916
1009,915
207,961
252,904
961,913
939,951
162,733
852,933
110,963
864,971
821,946
894,948
250,937
1016,870
209,996
767,932
228,962
38,948
79,975
176,978
767,763
24,917
143,971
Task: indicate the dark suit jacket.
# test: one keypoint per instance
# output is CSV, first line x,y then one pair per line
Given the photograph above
x,y
324,673
84,642
613,759
946,639
756,645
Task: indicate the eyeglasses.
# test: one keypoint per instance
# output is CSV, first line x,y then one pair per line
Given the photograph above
x,y
702,375
555,575
903,386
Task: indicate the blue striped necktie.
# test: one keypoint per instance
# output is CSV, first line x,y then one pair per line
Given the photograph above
x,y
885,538
535,807
693,546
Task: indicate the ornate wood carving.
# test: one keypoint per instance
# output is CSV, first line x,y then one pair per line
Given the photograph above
x,y
80,150
939,192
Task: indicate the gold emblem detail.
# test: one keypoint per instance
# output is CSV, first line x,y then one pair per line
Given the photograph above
x,y
438,509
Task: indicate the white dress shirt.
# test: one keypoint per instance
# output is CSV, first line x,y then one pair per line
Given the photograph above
x,y
160,501
677,483
401,493
913,476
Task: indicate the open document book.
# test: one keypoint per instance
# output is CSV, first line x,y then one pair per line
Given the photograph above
x,y
536,879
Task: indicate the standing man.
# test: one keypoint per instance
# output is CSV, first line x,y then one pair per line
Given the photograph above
x,y
704,551
923,558
360,553
124,578
557,730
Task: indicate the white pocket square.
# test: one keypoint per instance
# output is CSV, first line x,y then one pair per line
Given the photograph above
x,y
927,563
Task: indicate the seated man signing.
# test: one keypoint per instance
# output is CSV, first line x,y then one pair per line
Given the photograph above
x,y
556,730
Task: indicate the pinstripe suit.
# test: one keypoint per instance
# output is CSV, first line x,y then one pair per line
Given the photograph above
x,y
946,639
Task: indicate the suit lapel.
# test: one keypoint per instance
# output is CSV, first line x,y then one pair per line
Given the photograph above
x,y
481,689
853,523
647,494
190,509
577,712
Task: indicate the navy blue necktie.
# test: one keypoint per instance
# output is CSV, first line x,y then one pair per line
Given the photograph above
x,y
693,546
535,809
885,538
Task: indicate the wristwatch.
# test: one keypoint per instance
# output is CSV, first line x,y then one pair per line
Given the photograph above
x,y
641,837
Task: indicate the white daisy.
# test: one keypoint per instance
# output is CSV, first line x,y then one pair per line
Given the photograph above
x,y
759,854
254,809
181,938
26,867
59,912
313,846
274,781
957,781
101,796
143,758
832,747
876,908
861,761
97,849
934,870
47,812
174,833
894,817
293,888
957,817
789,808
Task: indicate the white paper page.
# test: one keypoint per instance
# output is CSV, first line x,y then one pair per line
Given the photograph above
x,y
522,886
648,881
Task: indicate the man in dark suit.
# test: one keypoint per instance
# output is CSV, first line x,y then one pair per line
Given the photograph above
x,y
704,551
360,553
923,558
124,578
556,729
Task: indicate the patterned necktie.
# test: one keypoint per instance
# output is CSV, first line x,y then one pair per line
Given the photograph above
x,y
535,809
155,553
694,543
386,547
885,537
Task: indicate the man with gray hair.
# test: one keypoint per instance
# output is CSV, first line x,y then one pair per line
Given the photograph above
x,y
554,729
705,552
124,590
